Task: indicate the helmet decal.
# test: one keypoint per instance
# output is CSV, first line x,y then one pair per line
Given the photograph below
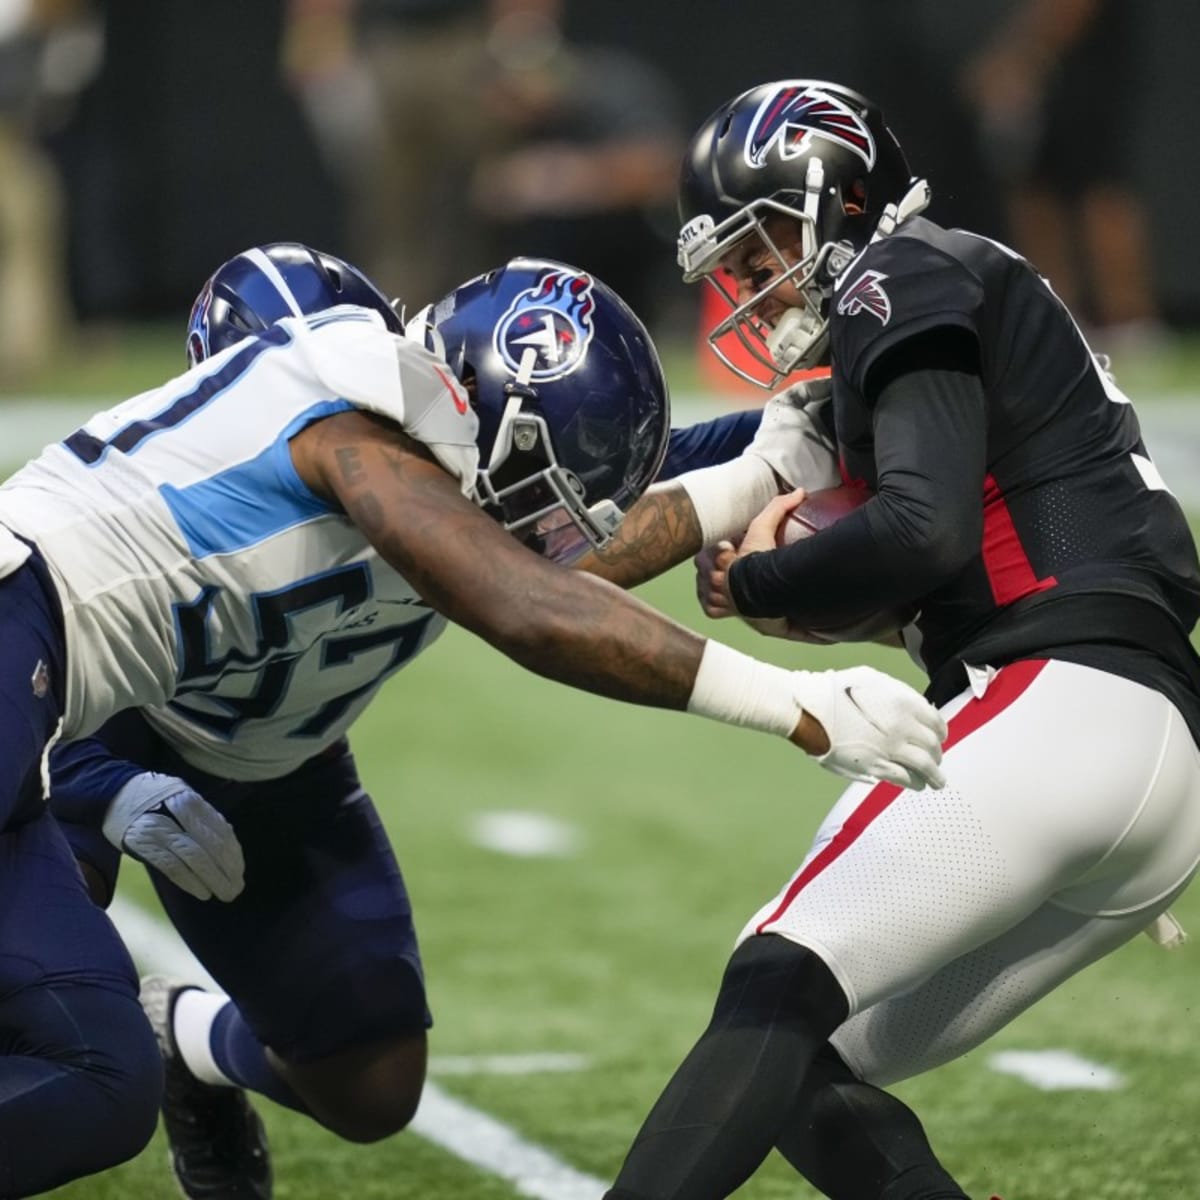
x,y
866,295
197,337
793,114
554,318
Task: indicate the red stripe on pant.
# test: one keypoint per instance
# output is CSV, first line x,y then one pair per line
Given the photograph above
x,y
1008,685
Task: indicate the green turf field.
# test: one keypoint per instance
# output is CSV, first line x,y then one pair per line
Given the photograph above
x,y
613,953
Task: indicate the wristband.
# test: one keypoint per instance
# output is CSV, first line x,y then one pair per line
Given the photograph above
x,y
726,498
739,690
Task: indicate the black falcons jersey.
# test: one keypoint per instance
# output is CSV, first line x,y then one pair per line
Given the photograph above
x,y
1083,553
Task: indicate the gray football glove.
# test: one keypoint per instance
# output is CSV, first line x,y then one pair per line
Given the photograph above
x,y
161,822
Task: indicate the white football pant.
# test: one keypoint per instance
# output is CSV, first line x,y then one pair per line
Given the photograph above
x,y
1070,821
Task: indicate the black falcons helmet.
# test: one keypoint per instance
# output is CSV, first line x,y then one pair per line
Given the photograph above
x,y
816,152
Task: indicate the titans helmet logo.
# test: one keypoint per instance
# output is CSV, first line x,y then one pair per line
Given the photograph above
x,y
794,114
197,338
866,294
554,320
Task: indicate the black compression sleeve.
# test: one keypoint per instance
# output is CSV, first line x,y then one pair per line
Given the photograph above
x,y
924,523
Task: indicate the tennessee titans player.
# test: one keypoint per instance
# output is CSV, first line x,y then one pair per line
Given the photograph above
x,y
269,537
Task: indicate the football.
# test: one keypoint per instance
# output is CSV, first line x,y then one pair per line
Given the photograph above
x,y
818,510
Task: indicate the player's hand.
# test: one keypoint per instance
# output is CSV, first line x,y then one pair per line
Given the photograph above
x,y
713,562
712,584
160,821
763,532
877,727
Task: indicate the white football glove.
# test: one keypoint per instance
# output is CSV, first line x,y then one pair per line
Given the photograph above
x,y
160,821
878,727
792,442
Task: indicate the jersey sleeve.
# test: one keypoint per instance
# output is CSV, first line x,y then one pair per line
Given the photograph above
x,y
898,288
371,368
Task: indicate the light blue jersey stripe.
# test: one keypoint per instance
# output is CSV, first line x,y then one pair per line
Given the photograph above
x,y
253,501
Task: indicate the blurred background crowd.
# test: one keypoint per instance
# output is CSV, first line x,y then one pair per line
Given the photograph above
x,y
142,142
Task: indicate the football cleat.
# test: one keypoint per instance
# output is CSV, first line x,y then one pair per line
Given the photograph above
x,y
218,1144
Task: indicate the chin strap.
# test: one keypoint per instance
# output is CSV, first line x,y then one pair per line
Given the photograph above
x,y
915,200
799,332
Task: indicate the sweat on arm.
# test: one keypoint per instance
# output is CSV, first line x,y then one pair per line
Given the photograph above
x,y
925,521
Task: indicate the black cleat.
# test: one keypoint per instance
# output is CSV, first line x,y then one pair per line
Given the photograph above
x,y
218,1144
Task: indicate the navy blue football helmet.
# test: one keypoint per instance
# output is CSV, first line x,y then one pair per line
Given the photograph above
x,y
817,153
258,287
571,398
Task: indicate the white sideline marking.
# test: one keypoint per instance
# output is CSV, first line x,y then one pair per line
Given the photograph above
x,y
484,1142
1057,1070
155,945
464,1131
524,834
505,1064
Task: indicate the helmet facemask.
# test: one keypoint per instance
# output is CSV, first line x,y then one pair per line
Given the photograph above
x,y
799,337
533,496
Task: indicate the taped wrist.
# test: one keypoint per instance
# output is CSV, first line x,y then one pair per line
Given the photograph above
x,y
727,497
739,690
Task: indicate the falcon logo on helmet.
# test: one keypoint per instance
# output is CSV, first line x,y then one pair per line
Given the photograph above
x,y
866,295
554,319
791,116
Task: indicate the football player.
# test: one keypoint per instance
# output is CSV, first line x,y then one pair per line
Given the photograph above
x,y
1055,580
242,556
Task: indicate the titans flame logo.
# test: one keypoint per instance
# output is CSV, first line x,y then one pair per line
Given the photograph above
x,y
197,338
554,320
791,116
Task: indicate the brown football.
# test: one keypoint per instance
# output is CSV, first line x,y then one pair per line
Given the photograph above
x,y
818,510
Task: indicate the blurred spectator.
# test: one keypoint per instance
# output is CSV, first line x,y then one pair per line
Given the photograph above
x,y
410,219
32,281
587,155
1056,95
185,148
482,134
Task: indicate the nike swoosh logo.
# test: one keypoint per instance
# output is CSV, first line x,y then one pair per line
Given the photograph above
x,y
459,402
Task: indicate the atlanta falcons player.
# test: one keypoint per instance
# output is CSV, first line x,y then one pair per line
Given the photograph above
x,y
257,547
1015,506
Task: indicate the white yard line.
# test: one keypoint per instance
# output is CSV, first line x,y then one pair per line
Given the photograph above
x,y
524,834
492,1146
463,1131
1057,1070
506,1064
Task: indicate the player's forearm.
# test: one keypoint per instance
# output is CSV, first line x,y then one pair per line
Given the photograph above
x,y
588,634
659,531
84,778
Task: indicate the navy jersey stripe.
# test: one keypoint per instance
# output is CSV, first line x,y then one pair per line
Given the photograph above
x,y
91,450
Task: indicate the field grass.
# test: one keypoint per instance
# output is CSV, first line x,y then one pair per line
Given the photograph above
x,y
614,953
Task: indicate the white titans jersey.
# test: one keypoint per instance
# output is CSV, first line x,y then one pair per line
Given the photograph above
x,y
201,579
